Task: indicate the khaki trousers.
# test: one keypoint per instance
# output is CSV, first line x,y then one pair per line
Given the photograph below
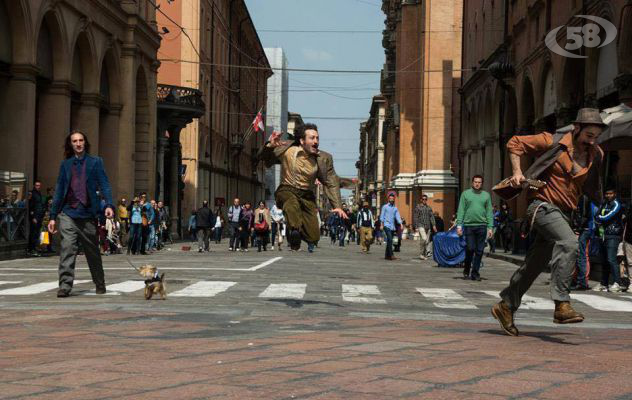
x,y
366,237
555,245
299,208
424,239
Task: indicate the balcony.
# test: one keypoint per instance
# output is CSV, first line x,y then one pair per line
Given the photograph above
x,y
180,102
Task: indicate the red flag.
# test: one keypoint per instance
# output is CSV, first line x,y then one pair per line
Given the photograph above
x,y
257,124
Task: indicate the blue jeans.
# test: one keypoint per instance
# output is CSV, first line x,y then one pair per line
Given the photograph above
x,y
342,232
584,237
151,242
218,234
134,241
389,242
475,237
609,252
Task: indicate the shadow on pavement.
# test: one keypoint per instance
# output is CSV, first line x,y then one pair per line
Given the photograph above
x,y
544,336
294,303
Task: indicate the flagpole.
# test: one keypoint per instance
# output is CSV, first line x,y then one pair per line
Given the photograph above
x,y
251,127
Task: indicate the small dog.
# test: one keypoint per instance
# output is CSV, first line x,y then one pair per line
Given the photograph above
x,y
154,283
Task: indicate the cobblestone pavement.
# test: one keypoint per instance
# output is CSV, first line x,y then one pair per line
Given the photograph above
x,y
281,325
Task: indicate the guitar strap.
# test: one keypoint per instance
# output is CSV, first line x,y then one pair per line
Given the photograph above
x,y
547,158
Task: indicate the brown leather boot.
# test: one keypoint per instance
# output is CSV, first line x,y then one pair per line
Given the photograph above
x,y
505,316
565,314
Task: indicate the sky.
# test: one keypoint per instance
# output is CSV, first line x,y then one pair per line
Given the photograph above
x,y
348,95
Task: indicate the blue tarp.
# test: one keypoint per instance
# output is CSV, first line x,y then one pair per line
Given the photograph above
x,y
448,249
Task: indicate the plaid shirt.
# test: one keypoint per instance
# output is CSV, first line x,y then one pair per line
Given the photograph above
x,y
423,217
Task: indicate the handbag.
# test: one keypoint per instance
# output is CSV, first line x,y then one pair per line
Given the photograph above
x,y
44,238
261,226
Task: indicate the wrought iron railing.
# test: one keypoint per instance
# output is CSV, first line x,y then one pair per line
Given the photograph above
x,y
12,224
178,95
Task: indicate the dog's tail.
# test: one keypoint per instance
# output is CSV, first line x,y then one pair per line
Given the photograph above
x,y
162,277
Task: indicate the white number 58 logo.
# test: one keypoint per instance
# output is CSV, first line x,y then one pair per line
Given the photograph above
x,y
578,36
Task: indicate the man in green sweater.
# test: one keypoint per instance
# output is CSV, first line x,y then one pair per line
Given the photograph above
x,y
475,219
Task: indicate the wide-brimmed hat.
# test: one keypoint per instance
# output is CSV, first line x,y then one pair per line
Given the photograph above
x,y
589,116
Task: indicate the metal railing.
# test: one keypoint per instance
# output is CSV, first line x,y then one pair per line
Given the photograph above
x,y
13,224
180,96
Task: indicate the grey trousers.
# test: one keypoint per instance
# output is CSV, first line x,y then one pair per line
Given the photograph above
x,y
203,237
72,232
555,245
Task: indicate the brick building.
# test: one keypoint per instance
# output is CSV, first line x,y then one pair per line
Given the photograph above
x,y
422,42
513,83
225,60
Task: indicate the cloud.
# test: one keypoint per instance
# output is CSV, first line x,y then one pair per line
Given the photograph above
x,y
317,55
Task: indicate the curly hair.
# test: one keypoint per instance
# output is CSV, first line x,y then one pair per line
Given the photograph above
x,y
299,133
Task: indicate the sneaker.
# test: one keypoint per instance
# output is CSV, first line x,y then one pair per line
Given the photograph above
x,y
246,250
423,257
63,293
272,248
615,288
230,249
600,288
100,289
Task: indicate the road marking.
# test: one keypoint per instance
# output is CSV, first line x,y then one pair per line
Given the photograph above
x,y
118,288
35,289
603,303
9,282
358,293
265,264
446,298
251,269
285,291
204,289
528,302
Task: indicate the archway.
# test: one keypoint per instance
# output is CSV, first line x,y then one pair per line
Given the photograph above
x,y
527,107
52,121
549,103
142,150
571,92
109,112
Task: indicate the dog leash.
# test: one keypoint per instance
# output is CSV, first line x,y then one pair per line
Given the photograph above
x,y
130,263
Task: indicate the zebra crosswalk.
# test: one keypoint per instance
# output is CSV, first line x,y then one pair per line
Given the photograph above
x,y
363,294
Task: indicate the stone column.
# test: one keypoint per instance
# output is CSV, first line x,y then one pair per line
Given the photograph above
x,y
163,142
53,126
488,173
109,145
174,180
17,136
127,124
88,119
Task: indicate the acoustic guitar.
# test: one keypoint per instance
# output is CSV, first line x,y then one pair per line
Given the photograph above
x,y
507,192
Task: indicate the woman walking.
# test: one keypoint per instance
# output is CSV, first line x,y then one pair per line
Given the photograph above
x,y
262,224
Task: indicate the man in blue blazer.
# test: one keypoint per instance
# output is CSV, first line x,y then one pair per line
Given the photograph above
x,y
75,207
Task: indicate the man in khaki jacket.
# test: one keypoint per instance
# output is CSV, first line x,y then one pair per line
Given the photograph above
x,y
302,163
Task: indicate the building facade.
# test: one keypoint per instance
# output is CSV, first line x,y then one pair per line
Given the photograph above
x,y
276,113
514,84
371,164
222,57
87,65
420,79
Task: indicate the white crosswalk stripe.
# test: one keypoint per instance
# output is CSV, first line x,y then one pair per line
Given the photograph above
x,y
366,294
123,287
528,302
603,303
10,282
35,288
204,289
284,291
446,298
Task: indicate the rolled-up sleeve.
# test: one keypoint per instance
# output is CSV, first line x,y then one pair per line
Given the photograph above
x,y
530,144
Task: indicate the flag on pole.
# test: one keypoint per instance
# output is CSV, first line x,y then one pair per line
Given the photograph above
x,y
257,124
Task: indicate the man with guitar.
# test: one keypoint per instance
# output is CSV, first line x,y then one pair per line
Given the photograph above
x,y
570,165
